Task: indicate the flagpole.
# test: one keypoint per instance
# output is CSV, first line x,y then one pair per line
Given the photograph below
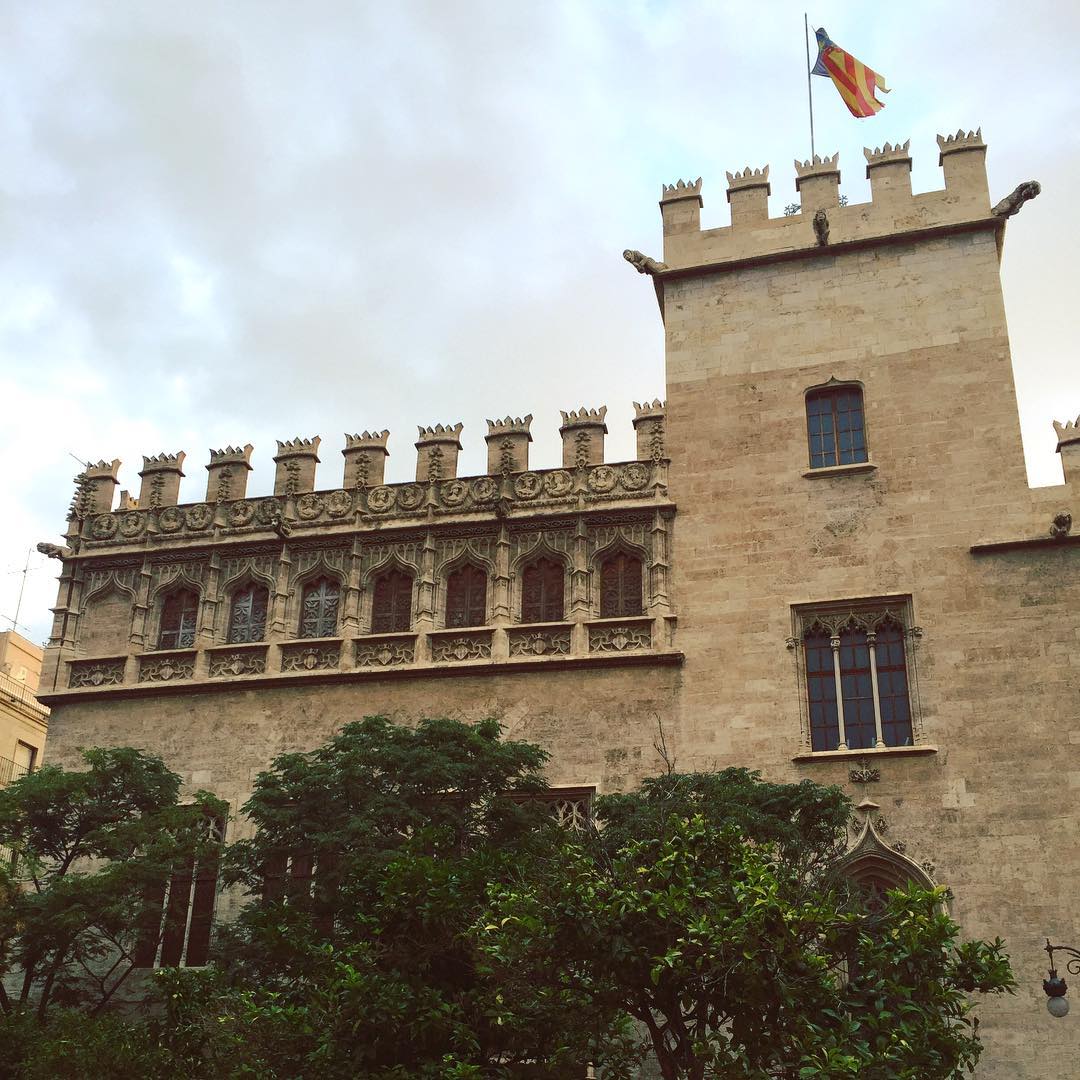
x,y
809,82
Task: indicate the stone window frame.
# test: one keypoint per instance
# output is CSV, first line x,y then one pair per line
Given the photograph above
x,y
161,598
834,386
246,582
867,611
467,558
317,574
391,566
620,546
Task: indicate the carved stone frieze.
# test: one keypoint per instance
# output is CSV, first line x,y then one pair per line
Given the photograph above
x,y
85,673
460,646
166,667
389,650
229,663
316,657
539,641
625,636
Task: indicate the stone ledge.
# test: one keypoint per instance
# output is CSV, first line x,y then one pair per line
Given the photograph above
x,y
873,751
1016,545
502,667
840,470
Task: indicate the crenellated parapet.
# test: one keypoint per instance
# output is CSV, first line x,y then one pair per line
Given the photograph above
x,y
649,426
227,473
583,432
161,476
893,210
365,458
296,461
95,489
437,451
508,445
1068,446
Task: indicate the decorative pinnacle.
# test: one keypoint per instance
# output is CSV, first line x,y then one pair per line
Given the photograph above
x,y
648,409
1067,433
367,440
509,425
163,462
682,190
584,418
748,178
439,433
888,152
232,455
298,447
818,165
949,144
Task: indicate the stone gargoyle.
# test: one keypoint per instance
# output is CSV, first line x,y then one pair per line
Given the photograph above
x,y
54,551
642,263
1011,203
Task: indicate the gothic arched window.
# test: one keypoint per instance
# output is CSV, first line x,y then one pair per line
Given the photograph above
x,y
179,612
391,603
319,608
247,614
542,583
466,596
835,427
620,586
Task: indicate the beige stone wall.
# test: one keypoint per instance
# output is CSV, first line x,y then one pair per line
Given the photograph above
x,y
23,719
921,325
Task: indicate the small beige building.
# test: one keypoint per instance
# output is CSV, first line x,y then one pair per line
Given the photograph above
x,y
24,721
824,562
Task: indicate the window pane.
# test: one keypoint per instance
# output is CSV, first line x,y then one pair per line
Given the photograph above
x,y
178,616
391,610
247,616
542,592
466,597
821,692
620,586
834,426
319,614
893,687
858,689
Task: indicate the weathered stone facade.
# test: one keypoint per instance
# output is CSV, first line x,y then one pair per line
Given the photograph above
x,y
929,538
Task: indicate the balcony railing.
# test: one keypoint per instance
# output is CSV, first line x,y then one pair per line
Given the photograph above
x,y
10,770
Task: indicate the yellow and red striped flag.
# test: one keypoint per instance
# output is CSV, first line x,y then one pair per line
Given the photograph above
x,y
855,81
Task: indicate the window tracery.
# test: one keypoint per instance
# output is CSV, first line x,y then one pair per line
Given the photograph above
x,y
620,586
543,591
247,614
319,605
179,614
391,606
466,597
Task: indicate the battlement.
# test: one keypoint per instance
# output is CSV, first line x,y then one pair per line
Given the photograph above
x,y
365,455
1068,446
824,219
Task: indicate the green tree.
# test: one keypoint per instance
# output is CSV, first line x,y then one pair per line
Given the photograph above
x,y
705,908
91,849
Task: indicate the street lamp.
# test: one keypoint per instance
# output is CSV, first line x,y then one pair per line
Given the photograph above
x,y
1056,1002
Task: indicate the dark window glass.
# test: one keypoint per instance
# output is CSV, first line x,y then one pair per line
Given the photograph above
x,y
834,427
391,608
821,692
319,613
247,615
857,688
620,586
178,615
466,597
542,592
893,686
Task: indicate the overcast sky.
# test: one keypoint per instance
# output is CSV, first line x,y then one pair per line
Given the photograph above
x,y
238,222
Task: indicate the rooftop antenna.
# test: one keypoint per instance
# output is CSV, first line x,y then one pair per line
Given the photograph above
x,y
14,619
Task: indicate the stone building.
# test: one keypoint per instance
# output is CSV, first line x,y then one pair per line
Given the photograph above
x,y
825,562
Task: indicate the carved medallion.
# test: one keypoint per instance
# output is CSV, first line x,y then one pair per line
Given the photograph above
x,y
527,486
602,479
558,483
634,476
170,519
410,496
454,492
309,506
484,490
131,525
380,499
241,513
104,527
269,511
339,503
198,516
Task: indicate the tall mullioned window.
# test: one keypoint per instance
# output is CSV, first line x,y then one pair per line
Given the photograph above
x,y
391,603
835,427
466,596
542,586
319,608
620,586
857,690
247,614
179,613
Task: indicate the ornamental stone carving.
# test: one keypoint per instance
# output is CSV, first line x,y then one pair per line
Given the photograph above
x,y
555,642
310,657
269,512
380,499
410,496
241,513
166,668
634,476
454,492
625,637
463,647
309,506
103,527
527,486
132,524
241,662
339,503
602,479
558,484
86,673
484,489
385,652
199,517
170,519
